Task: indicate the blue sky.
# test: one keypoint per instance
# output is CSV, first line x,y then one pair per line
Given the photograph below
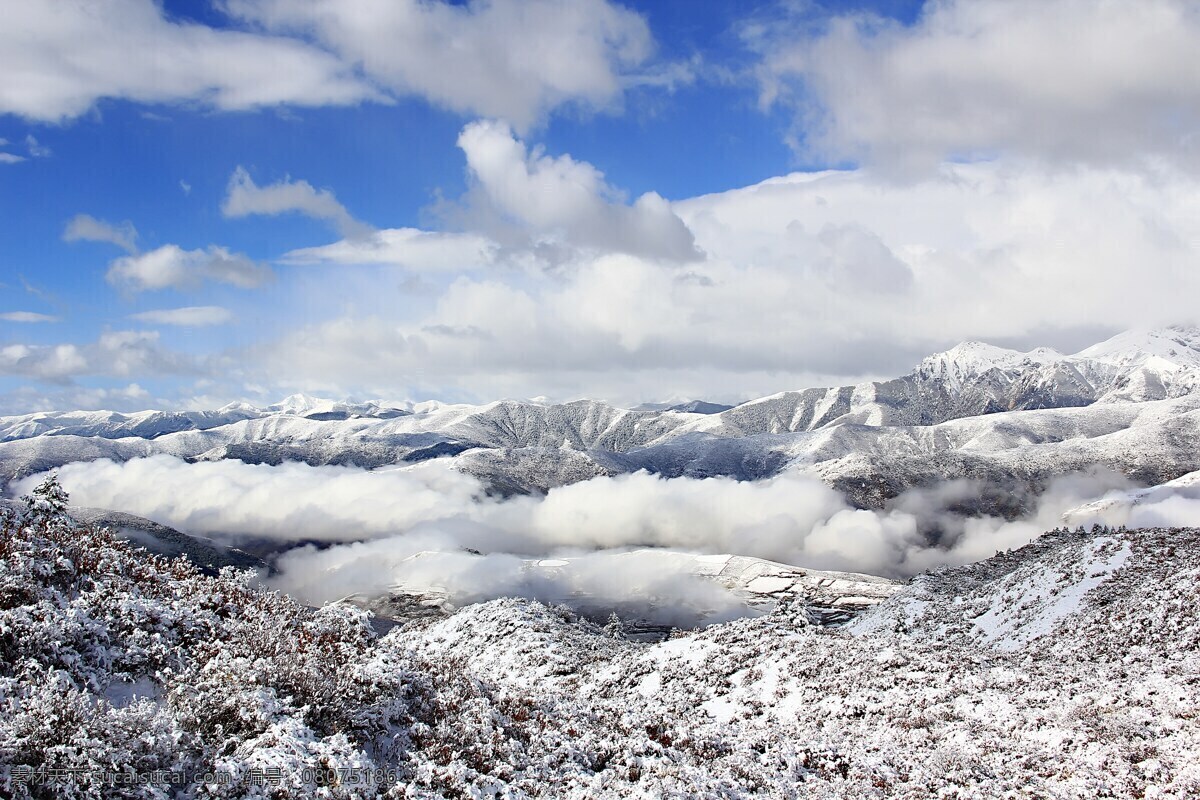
x,y
939,160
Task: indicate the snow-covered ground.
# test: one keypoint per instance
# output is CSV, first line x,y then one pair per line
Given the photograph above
x,y
1069,668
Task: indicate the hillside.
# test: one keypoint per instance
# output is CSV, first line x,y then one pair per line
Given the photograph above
x,y
1066,668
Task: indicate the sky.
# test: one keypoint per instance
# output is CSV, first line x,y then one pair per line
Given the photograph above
x,y
210,202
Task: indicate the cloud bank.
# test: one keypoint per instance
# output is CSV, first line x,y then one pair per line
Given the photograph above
x,y
385,524
810,279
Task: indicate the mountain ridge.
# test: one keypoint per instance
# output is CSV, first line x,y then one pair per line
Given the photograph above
x,y
975,411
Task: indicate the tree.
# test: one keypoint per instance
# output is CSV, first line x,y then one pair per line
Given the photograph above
x,y
47,501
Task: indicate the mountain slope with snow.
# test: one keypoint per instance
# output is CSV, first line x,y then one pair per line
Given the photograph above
x,y
975,410
1065,669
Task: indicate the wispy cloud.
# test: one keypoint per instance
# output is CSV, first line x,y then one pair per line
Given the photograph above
x,y
9,158
27,316
35,148
245,198
187,317
84,227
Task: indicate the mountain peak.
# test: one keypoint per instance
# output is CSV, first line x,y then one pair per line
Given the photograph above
x,y
301,403
1177,346
970,359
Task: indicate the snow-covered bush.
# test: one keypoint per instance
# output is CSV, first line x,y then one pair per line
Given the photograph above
x,y
1068,668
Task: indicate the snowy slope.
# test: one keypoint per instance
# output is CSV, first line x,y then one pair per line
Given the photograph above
x,y
1066,669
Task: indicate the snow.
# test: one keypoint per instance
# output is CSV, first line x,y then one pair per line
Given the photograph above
x,y
1041,601
1170,348
650,684
721,709
769,585
1064,669
1143,389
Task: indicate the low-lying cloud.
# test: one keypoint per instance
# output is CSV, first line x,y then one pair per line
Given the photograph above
x,y
433,529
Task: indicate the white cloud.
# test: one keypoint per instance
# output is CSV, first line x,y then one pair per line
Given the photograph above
x,y
11,158
58,59
84,227
409,248
244,198
387,517
807,280
188,317
1067,80
26,316
513,59
561,197
114,353
170,266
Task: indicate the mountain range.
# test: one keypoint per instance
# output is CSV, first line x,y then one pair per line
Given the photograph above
x,y
1129,404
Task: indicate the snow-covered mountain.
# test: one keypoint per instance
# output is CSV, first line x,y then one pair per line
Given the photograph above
x,y
1129,404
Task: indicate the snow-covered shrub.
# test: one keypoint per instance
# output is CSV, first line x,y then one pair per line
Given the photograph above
x,y
1068,668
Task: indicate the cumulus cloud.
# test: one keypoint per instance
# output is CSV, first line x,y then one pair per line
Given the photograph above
x,y
58,59
807,280
1064,80
114,353
513,59
27,317
244,198
170,266
188,317
559,196
84,227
